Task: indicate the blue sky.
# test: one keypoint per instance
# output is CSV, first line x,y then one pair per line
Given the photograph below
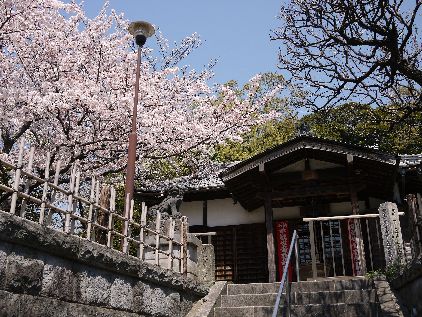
x,y
236,32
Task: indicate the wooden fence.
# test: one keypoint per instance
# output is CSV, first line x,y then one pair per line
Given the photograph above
x,y
58,201
363,249
345,245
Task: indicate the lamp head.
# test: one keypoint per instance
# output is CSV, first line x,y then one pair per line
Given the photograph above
x,y
141,30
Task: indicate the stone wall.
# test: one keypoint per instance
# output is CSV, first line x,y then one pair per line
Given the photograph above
x,y
408,287
200,261
44,272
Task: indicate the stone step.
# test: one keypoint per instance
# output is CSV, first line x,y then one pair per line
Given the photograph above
x,y
250,311
336,310
304,286
252,288
332,285
242,300
333,310
334,297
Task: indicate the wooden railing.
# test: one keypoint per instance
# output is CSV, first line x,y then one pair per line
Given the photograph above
x,y
207,235
62,205
346,245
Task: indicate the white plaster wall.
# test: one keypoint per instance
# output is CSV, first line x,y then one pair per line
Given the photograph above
x,y
344,208
222,212
193,210
286,213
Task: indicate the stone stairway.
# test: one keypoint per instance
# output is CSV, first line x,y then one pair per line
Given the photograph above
x,y
324,298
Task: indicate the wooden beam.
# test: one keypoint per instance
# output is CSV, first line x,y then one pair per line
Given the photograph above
x,y
270,239
352,188
321,190
287,178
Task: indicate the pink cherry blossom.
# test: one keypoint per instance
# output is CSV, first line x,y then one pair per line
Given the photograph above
x,y
67,85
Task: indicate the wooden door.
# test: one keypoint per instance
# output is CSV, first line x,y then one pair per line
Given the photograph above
x,y
240,252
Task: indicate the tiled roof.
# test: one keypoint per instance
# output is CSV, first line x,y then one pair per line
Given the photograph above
x,y
200,182
307,142
410,160
212,180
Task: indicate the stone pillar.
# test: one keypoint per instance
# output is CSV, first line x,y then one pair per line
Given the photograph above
x,y
206,264
391,233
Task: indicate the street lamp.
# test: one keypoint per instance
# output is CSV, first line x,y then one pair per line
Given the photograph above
x,y
140,30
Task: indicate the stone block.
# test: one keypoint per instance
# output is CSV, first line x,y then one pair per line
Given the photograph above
x,y
333,297
313,286
387,300
174,280
252,288
172,304
22,305
109,259
248,300
27,233
317,310
59,281
77,310
234,311
95,289
35,306
9,304
23,274
3,261
121,295
186,303
156,301
360,296
205,267
205,306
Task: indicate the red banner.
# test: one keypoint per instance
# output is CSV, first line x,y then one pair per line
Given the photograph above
x,y
283,245
354,252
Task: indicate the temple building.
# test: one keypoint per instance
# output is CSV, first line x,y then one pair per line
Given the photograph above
x,y
329,192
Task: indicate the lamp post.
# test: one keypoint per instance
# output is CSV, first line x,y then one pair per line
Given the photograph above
x,y
140,30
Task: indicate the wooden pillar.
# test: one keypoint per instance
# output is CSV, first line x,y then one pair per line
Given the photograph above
x,y
205,213
313,255
355,211
270,238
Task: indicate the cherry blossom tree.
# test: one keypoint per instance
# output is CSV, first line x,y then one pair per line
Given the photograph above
x,y
67,85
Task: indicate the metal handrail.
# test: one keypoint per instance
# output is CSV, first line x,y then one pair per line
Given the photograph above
x,y
293,244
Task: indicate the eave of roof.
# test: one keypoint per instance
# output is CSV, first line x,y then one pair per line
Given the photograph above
x,y
306,142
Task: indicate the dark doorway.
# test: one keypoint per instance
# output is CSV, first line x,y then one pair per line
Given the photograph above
x,y
240,252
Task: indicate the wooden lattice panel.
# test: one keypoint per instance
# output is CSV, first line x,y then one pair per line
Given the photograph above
x,y
240,252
